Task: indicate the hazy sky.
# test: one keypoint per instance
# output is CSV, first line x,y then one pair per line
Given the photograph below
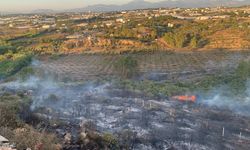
x,y
27,5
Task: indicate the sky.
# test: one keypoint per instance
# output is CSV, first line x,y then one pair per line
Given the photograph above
x,y
28,5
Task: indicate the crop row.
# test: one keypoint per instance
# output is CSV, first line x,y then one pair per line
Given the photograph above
x,y
83,66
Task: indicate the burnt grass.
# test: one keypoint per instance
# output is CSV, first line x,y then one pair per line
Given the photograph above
x,y
136,121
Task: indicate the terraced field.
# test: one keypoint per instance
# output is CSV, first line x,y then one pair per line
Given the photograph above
x,y
155,66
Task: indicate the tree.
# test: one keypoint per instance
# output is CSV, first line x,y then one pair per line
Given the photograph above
x,y
126,66
169,38
180,39
177,40
194,42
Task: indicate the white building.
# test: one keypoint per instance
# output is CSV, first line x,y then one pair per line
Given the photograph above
x,y
120,20
203,18
48,26
170,25
82,25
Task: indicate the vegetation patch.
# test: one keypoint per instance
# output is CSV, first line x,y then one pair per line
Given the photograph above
x,y
126,67
13,63
235,83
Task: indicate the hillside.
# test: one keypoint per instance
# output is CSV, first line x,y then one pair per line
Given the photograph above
x,y
142,4
229,39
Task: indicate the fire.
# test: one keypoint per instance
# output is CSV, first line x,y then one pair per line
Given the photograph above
x,y
185,98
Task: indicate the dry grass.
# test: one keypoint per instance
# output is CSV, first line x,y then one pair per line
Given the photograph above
x,y
27,137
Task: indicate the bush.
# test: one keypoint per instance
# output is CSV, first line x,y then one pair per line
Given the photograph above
x,y
25,73
110,141
14,129
27,137
8,116
236,83
126,67
9,108
16,63
194,42
178,39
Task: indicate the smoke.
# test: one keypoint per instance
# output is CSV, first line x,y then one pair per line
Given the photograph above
x,y
238,104
32,82
61,97
49,92
57,95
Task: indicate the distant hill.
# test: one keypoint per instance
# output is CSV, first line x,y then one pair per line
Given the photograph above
x,y
142,4
42,11
6,13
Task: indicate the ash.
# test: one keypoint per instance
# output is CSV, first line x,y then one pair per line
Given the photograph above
x,y
155,123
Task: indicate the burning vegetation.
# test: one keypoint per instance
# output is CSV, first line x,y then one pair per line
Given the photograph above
x,y
185,98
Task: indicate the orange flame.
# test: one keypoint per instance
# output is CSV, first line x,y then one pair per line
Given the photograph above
x,y
185,98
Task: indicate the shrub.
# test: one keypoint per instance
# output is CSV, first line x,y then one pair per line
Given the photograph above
x,y
110,141
30,138
11,66
194,42
10,105
126,67
27,137
178,39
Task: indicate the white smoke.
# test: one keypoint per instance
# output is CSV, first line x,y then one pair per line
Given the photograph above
x,y
32,82
42,88
45,87
237,104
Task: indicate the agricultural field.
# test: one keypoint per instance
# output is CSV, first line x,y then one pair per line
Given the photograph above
x,y
152,65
